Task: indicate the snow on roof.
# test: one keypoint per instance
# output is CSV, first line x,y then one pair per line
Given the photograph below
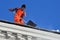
x,y
27,30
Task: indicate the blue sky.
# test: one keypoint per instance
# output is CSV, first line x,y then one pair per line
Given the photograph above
x,y
45,13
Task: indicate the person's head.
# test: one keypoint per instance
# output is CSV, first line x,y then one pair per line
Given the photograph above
x,y
23,6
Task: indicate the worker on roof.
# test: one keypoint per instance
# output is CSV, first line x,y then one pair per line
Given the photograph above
x,y
19,14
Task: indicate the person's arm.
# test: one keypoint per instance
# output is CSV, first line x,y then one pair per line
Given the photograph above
x,y
12,9
23,15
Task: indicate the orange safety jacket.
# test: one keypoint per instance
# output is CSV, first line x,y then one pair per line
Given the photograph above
x,y
18,17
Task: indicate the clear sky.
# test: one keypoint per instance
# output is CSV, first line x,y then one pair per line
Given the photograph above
x,y
45,13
